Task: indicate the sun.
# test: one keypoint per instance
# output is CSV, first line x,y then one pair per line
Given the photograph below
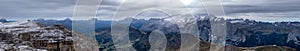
x,y
186,2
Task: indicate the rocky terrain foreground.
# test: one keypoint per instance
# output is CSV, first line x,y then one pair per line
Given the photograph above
x,y
32,36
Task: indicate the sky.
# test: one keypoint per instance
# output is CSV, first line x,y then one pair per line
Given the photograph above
x,y
60,9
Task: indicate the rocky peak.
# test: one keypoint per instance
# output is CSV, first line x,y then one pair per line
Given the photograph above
x,y
32,36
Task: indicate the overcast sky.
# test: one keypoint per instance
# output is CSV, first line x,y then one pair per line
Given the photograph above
x,y
59,9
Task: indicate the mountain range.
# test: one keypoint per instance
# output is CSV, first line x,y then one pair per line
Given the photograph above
x,y
240,32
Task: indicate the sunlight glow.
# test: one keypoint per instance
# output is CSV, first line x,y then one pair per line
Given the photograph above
x,y
187,2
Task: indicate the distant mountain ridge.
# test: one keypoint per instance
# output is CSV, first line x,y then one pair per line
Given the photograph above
x,y
5,20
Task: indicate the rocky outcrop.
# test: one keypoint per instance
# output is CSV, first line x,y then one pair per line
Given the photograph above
x,y
32,36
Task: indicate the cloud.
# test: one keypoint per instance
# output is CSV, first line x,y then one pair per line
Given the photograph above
x,y
64,8
36,8
264,8
130,8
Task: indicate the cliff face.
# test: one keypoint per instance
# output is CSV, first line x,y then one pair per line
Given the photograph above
x,y
32,36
